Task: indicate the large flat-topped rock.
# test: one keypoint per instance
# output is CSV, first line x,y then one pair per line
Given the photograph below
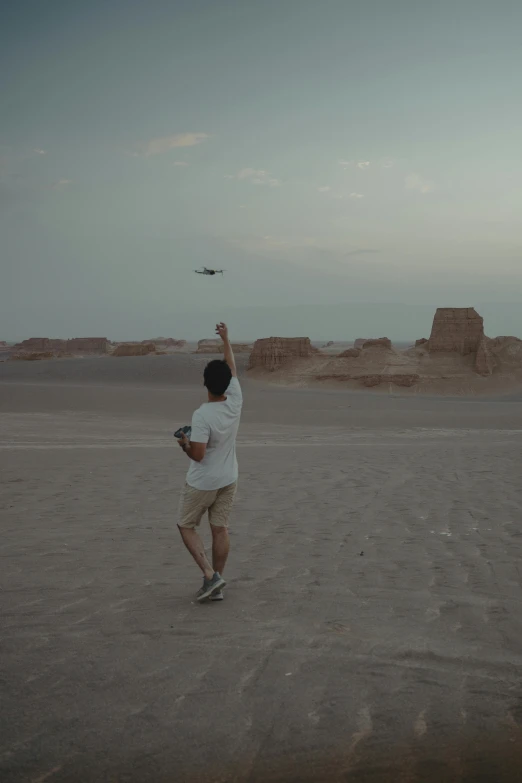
x,y
271,352
216,346
134,349
90,345
459,329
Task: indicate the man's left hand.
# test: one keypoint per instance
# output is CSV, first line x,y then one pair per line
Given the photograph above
x,y
184,442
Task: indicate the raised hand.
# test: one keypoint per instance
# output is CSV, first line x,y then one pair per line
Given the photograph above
x,y
222,331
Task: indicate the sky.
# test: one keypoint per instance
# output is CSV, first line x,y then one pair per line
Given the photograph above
x,y
351,165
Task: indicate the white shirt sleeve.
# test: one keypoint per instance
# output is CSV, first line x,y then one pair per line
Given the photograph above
x,y
234,392
200,429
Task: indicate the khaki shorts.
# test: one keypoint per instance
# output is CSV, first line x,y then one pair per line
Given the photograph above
x,y
195,502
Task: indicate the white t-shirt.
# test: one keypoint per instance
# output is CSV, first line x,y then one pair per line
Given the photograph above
x,y
216,424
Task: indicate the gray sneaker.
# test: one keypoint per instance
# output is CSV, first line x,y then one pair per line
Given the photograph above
x,y
210,586
219,595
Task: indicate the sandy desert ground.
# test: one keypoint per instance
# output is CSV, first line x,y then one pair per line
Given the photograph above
x,y
372,627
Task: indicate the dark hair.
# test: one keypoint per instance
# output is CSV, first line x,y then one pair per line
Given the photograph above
x,y
217,377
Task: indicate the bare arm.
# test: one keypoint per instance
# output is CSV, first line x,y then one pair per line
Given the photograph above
x,y
222,330
194,451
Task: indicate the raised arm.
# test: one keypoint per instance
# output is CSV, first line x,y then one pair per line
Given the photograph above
x,y
222,330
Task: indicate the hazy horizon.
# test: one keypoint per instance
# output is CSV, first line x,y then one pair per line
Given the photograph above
x,y
327,155
343,322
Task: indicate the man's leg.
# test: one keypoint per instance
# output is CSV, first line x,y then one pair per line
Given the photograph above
x,y
193,504
220,547
218,514
195,546
212,582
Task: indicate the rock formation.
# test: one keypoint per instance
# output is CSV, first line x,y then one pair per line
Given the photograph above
x,y
216,346
209,346
37,344
134,349
166,342
378,342
271,353
171,343
95,345
397,379
242,347
91,345
505,352
484,361
458,329
403,380
509,349
31,356
458,359
360,342
373,379
370,380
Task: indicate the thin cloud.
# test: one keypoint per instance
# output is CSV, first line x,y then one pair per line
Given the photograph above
x,y
356,195
39,151
324,189
166,143
418,183
62,183
360,164
180,163
256,177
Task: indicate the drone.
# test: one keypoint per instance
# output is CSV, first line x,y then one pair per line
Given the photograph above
x,y
206,271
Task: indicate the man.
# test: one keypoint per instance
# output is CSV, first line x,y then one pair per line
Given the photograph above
x,y
212,476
